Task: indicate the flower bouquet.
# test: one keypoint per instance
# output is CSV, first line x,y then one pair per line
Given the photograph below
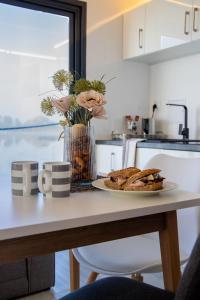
x,y
83,101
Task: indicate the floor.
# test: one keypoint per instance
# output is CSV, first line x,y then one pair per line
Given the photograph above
x,y
61,287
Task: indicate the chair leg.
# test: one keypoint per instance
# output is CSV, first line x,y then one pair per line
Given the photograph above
x,y
74,272
137,277
92,277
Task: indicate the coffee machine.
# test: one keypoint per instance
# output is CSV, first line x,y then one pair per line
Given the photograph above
x,y
134,125
138,126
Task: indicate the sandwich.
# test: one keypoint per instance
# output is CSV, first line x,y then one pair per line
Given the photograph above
x,y
146,180
119,178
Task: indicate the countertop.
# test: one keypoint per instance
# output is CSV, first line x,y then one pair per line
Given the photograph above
x,y
110,142
155,145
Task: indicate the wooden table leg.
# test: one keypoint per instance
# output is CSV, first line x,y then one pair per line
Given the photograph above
x,y
74,272
169,247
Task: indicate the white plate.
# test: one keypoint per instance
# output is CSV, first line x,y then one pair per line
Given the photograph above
x,y
167,186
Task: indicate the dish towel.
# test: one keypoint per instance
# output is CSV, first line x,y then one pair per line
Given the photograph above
x,y
130,150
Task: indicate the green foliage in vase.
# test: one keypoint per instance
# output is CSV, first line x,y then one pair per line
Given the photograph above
x,y
86,99
98,86
62,80
78,115
47,106
81,85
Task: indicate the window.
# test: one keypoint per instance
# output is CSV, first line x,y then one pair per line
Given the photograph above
x,y
36,41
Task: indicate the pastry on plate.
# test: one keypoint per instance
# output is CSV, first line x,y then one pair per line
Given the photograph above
x,y
128,172
112,185
146,180
119,178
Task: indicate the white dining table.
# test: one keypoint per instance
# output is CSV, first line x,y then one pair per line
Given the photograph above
x,y
32,226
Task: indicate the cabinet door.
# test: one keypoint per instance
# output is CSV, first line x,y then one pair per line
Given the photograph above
x,y
133,35
168,24
109,158
196,20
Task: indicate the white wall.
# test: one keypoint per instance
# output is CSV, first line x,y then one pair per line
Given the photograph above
x,y
128,93
178,81
175,81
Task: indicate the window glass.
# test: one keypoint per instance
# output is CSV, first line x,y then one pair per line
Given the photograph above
x,y
33,46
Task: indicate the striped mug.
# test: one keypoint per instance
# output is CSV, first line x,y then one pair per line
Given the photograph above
x,y
24,178
54,179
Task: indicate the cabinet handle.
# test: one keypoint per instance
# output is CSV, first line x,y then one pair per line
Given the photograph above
x,y
187,14
111,161
140,39
195,28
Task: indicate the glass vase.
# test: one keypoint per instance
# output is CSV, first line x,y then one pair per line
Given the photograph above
x,y
79,149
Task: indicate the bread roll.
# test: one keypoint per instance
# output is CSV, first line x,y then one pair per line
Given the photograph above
x,y
112,185
128,172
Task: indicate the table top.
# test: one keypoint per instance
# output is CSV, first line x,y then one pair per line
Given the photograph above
x,y
33,215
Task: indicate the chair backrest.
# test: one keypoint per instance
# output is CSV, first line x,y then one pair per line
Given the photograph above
x,y
186,173
189,287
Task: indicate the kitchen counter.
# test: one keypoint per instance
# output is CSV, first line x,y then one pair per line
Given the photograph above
x,y
155,145
110,142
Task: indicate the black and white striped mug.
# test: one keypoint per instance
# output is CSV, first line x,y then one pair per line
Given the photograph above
x,y
54,179
24,178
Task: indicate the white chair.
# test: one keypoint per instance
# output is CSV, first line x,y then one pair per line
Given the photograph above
x,y
129,255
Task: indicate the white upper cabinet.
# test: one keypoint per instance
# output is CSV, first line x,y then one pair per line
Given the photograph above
x,y
168,24
161,30
134,23
196,20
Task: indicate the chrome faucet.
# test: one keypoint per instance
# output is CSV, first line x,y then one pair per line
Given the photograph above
x,y
183,131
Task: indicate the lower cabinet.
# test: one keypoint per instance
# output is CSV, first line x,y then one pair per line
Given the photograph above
x,y
109,158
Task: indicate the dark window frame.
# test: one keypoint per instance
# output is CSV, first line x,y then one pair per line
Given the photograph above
x,y
76,11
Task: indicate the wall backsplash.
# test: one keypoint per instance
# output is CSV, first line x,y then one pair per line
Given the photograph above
x,y
176,81
129,92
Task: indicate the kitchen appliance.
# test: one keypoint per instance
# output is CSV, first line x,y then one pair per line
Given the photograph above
x,y
116,135
134,124
148,126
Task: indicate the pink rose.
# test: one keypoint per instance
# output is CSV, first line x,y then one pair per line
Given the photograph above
x,y
90,99
98,112
62,104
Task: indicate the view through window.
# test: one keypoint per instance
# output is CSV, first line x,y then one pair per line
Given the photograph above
x,y
33,46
